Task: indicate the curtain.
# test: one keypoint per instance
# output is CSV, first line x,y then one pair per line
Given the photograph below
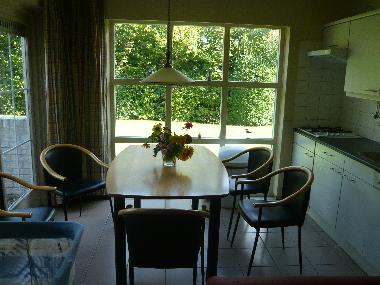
x,y
75,75
34,55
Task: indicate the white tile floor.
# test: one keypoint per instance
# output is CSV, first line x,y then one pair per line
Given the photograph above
x,y
321,255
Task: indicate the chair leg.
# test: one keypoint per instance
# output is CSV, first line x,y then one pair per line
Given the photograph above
x,y
283,237
131,275
65,207
231,217
235,229
195,275
203,263
299,249
80,206
111,206
253,251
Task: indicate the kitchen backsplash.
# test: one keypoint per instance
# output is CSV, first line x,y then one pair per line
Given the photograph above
x,y
320,99
358,117
319,90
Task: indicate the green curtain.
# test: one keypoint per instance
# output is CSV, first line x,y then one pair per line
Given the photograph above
x,y
75,74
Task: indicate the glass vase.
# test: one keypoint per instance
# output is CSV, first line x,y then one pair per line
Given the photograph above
x,y
168,161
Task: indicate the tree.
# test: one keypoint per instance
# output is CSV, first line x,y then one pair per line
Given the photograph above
x,y
198,52
12,97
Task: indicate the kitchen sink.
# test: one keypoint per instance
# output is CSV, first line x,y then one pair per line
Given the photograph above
x,y
371,155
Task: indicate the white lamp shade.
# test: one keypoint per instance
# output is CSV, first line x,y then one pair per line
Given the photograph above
x,y
167,76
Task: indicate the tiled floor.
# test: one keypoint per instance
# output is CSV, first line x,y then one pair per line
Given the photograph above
x,y
321,256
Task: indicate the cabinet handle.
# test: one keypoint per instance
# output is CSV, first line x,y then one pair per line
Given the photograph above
x,y
325,152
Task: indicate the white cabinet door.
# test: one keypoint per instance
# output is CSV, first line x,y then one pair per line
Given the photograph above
x,y
336,35
302,157
371,219
351,223
363,61
324,195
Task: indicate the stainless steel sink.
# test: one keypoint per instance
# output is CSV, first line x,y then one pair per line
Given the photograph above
x,y
371,155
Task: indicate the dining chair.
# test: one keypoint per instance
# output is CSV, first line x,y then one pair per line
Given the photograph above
x,y
164,239
260,163
290,210
63,164
27,214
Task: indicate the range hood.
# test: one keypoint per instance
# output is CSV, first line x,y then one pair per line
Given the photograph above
x,y
330,54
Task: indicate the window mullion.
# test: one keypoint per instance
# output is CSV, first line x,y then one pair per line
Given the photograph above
x,y
224,99
111,109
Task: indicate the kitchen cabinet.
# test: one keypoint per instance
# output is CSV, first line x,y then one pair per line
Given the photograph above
x,y
351,226
336,35
303,151
325,193
363,62
371,235
344,200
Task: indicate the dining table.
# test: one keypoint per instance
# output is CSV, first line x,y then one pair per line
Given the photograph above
x,y
136,173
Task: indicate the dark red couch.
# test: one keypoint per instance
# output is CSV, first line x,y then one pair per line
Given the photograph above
x,y
296,280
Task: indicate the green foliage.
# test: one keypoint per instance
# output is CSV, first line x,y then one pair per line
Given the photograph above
x,y
12,97
140,102
248,107
198,52
196,104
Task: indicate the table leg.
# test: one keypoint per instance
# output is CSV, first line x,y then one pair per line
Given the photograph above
x,y
137,202
213,237
194,203
120,243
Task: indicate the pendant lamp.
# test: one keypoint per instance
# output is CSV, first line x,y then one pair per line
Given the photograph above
x,y
167,75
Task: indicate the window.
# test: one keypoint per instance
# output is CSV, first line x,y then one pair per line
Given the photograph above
x,y
14,121
233,99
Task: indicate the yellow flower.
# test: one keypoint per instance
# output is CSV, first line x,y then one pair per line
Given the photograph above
x,y
157,129
174,139
186,153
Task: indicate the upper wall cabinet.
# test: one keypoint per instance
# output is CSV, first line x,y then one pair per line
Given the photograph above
x,y
363,62
336,35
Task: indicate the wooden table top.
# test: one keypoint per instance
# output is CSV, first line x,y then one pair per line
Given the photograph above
x,y
136,173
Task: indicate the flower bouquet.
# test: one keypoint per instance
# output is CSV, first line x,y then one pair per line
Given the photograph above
x,y
172,146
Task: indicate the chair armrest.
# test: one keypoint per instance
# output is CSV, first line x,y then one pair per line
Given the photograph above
x,y
15,214
27,184
287,199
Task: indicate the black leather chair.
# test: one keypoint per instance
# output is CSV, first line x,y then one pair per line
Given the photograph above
x,y
64,169
260,163
164,238
36,214
290,210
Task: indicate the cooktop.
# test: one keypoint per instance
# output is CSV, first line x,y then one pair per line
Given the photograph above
x,y
331,132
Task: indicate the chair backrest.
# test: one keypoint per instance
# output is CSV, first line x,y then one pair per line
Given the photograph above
x,y
256,158
164,238
294,179
66,161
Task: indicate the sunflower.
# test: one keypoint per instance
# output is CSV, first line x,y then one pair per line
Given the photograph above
x,y
157,129
186,153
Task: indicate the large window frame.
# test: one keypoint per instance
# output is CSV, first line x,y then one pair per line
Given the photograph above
x,y
224,84
21,148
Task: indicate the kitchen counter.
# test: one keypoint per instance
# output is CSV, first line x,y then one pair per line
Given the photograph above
x,y
351,147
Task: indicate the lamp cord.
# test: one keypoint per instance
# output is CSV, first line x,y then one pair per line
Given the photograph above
x,y
168,34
